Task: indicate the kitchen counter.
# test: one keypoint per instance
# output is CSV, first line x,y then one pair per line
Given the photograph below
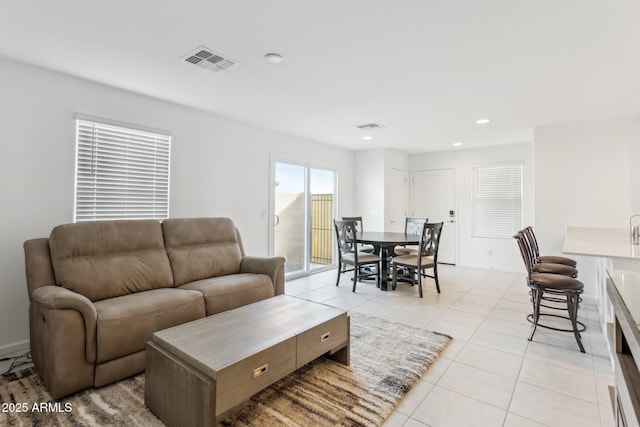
x,y
627,284
613,269
600,242
604,250
623,288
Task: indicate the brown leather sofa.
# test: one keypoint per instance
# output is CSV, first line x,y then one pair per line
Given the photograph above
x,y
98,291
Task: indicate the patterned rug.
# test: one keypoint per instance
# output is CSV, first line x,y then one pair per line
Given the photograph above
x,y
387,359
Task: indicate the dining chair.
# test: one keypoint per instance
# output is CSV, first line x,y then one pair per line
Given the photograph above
x,y
348,255
411,226
425,258
358,220
551,291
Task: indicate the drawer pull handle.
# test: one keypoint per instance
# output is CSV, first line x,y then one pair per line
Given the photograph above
x,y
261,370
325,337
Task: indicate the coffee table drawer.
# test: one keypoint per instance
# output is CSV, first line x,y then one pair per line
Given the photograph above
x,y
238,382
322,338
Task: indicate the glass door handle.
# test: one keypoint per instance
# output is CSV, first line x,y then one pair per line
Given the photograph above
x,y
276,220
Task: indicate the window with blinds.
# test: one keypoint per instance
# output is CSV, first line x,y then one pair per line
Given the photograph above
x,y
121,173
496,205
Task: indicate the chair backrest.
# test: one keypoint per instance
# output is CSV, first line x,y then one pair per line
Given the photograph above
x,y
346,236
526,251
531,238
356,219
414,225
430,240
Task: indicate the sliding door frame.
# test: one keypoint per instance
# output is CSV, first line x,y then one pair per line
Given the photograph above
x,y
307,218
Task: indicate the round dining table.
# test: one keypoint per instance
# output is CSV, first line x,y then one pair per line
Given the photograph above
x,y
383,243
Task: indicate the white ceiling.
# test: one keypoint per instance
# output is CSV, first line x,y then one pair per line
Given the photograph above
x,y
425,69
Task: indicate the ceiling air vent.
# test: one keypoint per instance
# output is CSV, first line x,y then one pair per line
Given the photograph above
x,y
370,126
207,59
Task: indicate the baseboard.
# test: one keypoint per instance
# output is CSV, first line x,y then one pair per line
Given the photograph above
x,y
14,349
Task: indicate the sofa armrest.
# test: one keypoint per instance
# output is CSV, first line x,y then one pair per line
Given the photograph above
x,y
59,298
272,267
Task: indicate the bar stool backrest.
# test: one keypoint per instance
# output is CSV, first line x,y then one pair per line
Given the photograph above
x,y
532,241
526,251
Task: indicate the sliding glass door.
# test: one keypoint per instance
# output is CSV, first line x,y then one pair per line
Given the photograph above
x,y
303,202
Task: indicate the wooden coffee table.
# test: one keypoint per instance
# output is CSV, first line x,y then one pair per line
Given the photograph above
x,y
199,372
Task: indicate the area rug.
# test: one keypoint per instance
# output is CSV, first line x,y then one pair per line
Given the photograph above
x,y
387,359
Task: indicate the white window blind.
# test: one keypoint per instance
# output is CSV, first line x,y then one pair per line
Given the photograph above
x,y
496,203
121,173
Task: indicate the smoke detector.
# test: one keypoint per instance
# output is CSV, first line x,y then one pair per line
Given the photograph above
x,y
370,126
208,59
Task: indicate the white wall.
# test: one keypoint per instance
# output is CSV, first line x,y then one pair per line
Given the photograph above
x,y
499,254
587,174
369,182
372,184
219,167
394,160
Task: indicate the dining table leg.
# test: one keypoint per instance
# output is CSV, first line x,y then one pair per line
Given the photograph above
x,y
384,274
384,244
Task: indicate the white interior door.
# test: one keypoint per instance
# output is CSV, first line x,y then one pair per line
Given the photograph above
x,y
433,197
397,196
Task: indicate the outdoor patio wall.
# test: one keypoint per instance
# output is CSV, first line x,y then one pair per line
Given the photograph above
x,y
498,254
219,167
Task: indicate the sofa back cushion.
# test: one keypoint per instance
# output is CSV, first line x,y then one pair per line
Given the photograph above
x,y
106,259
200,248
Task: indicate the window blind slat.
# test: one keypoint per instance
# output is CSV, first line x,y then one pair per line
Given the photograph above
x,y
121,173
496,203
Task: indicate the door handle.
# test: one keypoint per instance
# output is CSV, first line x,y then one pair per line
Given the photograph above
x,y
451,221
276,220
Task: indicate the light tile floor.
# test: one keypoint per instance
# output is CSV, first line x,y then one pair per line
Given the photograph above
x,y
490,375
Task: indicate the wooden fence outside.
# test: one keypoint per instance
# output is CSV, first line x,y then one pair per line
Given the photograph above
x,y
322,228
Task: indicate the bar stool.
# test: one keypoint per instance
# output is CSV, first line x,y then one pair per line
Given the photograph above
x,y
552,291
533,242
546,264
552,268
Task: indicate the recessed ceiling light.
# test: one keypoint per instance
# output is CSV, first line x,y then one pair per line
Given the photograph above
x,y
457,144
367,137
482,121
274,58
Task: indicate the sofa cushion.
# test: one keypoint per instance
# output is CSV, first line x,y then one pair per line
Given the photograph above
x,y
106,259
200,248
232,291
127,322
